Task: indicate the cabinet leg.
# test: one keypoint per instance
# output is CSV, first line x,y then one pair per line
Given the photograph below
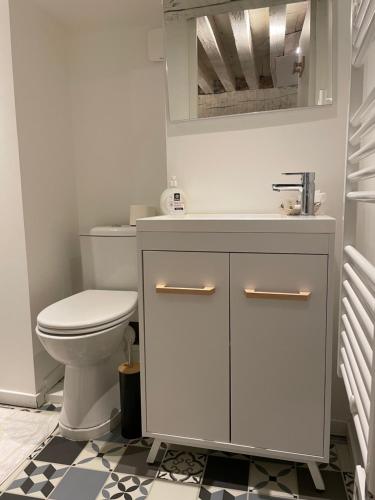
x,y
153,451
316,476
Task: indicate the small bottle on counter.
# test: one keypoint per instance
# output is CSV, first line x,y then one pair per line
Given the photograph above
x,y
172,200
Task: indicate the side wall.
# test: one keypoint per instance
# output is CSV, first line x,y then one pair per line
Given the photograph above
x,y
16,359
39,47
90,107
229,164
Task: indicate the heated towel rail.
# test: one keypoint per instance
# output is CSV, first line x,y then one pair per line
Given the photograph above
x,y
357,325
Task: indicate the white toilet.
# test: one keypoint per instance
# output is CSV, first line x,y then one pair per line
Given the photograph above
x,y
85,332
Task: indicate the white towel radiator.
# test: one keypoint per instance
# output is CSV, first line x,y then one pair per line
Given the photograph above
x,y
356,336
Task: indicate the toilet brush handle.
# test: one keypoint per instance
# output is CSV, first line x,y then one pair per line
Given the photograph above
x,y
129,338
130,352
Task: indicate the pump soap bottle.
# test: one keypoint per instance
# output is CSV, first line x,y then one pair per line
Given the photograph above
x,y
172,200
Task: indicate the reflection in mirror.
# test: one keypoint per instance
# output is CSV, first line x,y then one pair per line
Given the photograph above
x,y
228,57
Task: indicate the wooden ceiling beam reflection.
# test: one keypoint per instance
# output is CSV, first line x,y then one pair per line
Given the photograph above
x,y
240,23
277,36
204,81
207,37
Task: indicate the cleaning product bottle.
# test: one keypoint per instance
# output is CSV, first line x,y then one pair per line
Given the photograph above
x,y
172,200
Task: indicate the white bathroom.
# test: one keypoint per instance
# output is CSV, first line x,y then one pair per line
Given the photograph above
x,y
188,252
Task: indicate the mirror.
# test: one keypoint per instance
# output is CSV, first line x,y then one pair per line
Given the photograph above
x,y
228,57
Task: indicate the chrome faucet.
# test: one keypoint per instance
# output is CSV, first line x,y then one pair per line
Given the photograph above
x,y
306,187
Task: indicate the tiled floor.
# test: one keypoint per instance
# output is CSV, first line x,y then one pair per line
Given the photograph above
x,y
114,468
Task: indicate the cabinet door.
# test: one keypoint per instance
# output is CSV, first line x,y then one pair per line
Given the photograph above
x,y
187,344
278,349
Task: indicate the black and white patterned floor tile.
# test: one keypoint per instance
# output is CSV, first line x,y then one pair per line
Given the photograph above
x,y
80,484
273,478
182,466
134,462
145,442
227,454
38,479
217,493
126,487
61,451
116,468
100,455
225,478
349,484
41,447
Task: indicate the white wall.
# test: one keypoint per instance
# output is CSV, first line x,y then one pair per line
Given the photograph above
x,y
39,47
16,359
229,164
91,128
118,105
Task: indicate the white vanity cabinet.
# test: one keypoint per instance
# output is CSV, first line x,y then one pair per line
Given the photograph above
x,y
278,351
236,333
187,345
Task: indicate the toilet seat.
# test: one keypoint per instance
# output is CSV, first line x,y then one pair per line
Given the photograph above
x,y
83,331
87,312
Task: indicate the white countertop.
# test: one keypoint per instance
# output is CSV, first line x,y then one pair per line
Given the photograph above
x,y
239,223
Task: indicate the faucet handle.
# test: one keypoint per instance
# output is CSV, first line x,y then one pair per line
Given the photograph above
x,y
298,173
306,177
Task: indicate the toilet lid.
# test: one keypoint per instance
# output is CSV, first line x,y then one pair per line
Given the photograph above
x,y
87,310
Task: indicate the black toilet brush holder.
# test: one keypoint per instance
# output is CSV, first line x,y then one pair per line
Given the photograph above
x,y
130,395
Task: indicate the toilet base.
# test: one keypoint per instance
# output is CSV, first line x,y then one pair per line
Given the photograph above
x,y
91,399
91,432
91,405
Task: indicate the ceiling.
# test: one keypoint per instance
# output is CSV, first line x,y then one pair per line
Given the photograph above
x,y
80,14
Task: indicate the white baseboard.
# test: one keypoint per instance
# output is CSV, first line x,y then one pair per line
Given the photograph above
x,y
13,398
52,378
30,400
56,394
50,381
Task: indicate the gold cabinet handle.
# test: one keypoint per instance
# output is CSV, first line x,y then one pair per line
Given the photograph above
x,y
254,294
206,290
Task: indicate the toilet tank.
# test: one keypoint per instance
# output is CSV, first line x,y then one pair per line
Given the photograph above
x,y
109,258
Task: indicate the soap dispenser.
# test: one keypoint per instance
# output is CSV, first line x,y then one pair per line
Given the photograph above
x,y
172,200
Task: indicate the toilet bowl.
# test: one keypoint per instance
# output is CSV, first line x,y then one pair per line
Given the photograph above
x,y
85,332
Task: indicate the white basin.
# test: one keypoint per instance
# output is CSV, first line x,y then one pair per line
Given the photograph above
x,y
229,216
238,222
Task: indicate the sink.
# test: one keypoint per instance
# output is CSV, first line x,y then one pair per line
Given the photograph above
x,y
238,222
230,216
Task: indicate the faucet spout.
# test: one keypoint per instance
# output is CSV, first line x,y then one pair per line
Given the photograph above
x,y
306,187
287,187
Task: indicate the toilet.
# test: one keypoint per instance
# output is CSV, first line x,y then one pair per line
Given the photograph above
x,y
86,332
